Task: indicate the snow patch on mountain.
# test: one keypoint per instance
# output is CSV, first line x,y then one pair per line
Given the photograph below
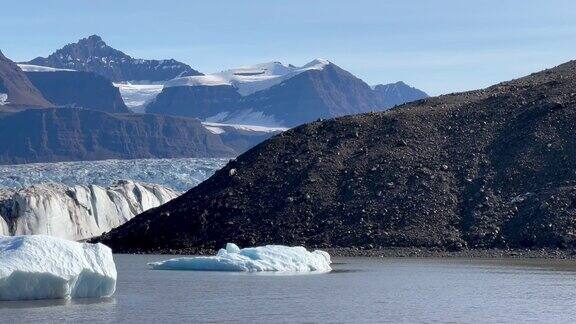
x,y
200,80
218,128
78,212
244,117
38,68
250,79
136,95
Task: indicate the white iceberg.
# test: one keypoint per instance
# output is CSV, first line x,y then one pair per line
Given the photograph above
x,y
263,258
45,267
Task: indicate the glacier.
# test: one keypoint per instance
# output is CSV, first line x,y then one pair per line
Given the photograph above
x,y
249,79
76,212
44,267
277,258
137,95
179,174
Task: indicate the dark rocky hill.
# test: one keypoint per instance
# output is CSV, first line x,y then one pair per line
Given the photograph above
x,y
79,89
94,55
393,94
69,134
480,169
19,90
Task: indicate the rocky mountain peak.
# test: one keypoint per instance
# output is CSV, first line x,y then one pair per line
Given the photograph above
x,y
92,54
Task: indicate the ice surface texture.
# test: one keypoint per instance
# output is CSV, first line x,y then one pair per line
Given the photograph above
x,y
178,174
255,259
44,267
78,212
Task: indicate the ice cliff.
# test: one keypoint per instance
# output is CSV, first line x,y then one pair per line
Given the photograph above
x,y
44,267
77,212
276,258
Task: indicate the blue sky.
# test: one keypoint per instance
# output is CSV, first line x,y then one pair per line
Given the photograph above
x,y
438,46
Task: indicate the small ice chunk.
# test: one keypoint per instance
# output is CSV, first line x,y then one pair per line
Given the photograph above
x,y
232,248
45,267
262,258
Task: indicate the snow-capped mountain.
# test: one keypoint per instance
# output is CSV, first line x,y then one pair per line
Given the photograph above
x,y
15,88
394,94
94,55
249,79
271,94
65,87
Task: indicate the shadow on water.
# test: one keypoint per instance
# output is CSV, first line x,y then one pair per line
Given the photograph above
x,y
338,271
55,302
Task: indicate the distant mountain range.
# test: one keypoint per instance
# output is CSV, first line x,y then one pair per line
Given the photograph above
x,y
85,119
235,109
276,94
92,54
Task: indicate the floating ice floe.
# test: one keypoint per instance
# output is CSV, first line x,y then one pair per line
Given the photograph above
x,y
262,258
44,267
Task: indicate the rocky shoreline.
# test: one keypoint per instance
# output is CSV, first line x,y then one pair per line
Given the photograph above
x,y
409,252
435,253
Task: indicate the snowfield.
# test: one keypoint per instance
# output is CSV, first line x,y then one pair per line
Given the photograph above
x,y
249,79
218,128
276,258
245,117
136,96
44,267
38,68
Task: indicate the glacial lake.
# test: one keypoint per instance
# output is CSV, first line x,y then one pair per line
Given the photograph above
x,y
358,290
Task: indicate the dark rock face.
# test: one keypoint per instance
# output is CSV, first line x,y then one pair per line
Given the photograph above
x,y
69,134
200,102
21,92
79,89
480,169
313,94
93,55
394,94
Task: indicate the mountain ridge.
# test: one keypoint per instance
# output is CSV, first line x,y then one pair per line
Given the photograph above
x,y
272,94
92,54
16,88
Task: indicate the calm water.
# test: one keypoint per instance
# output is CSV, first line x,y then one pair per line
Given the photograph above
x,y
359,290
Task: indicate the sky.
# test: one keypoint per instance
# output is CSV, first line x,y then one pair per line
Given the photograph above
x,y
439,46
